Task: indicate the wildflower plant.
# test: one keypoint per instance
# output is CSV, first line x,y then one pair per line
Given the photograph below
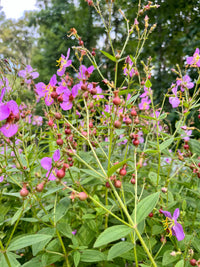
x,y
95,181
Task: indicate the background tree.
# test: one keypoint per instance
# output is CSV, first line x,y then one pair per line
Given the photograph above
x,y
16,39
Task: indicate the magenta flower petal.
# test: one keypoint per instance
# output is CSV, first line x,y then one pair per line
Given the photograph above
x,y
172,224
66,105
75,90
9,130
178,231
174,101
4,112
167,214
176,214
13,107
51,177
46,163
56,155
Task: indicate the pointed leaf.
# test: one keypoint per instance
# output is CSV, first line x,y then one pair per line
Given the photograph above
x,y
118,249
26,241
146,206
111,234
108,56
116,167
166,143
90,255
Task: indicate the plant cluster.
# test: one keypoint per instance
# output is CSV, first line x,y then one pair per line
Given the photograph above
x,y
97,178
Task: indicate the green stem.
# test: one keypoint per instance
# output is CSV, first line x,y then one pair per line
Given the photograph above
x,y
7,259
63,247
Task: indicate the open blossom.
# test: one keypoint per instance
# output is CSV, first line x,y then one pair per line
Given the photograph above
x,y
185,82
186,135
195,60
144,104
68,97
174,100
28,74
172,225
63,62
45,91
10,112
37,120
46,163
84,72
128,68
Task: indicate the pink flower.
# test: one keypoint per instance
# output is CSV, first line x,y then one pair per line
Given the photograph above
x,y
63,62
68,97
144,104
9,111
174,100
46,163
84,73
45,91
28,74
195,60
185,82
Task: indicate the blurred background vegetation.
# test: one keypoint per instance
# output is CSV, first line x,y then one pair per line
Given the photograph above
x,y
40,37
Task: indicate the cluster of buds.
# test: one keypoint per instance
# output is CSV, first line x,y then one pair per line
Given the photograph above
x,y
113,179
81,196
195,169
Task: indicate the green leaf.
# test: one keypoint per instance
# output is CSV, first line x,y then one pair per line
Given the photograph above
x,y
146,206
132,99
18,101
48,259
153,177
196,243
118,249
162,116
148,84
111,234
180,263
195,146
62,208
12,260
108,56
168,259
28,240
90,255
34,262
92,173
166,143
40,245
16,215
116,167
51,191
76,257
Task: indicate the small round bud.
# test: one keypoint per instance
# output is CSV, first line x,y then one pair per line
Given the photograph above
x,y
59,142
133,181
193,262
82,196
60,173
24,192
122,172
136,142
117,101
58,116
150,214
117,124
40,187
118,184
